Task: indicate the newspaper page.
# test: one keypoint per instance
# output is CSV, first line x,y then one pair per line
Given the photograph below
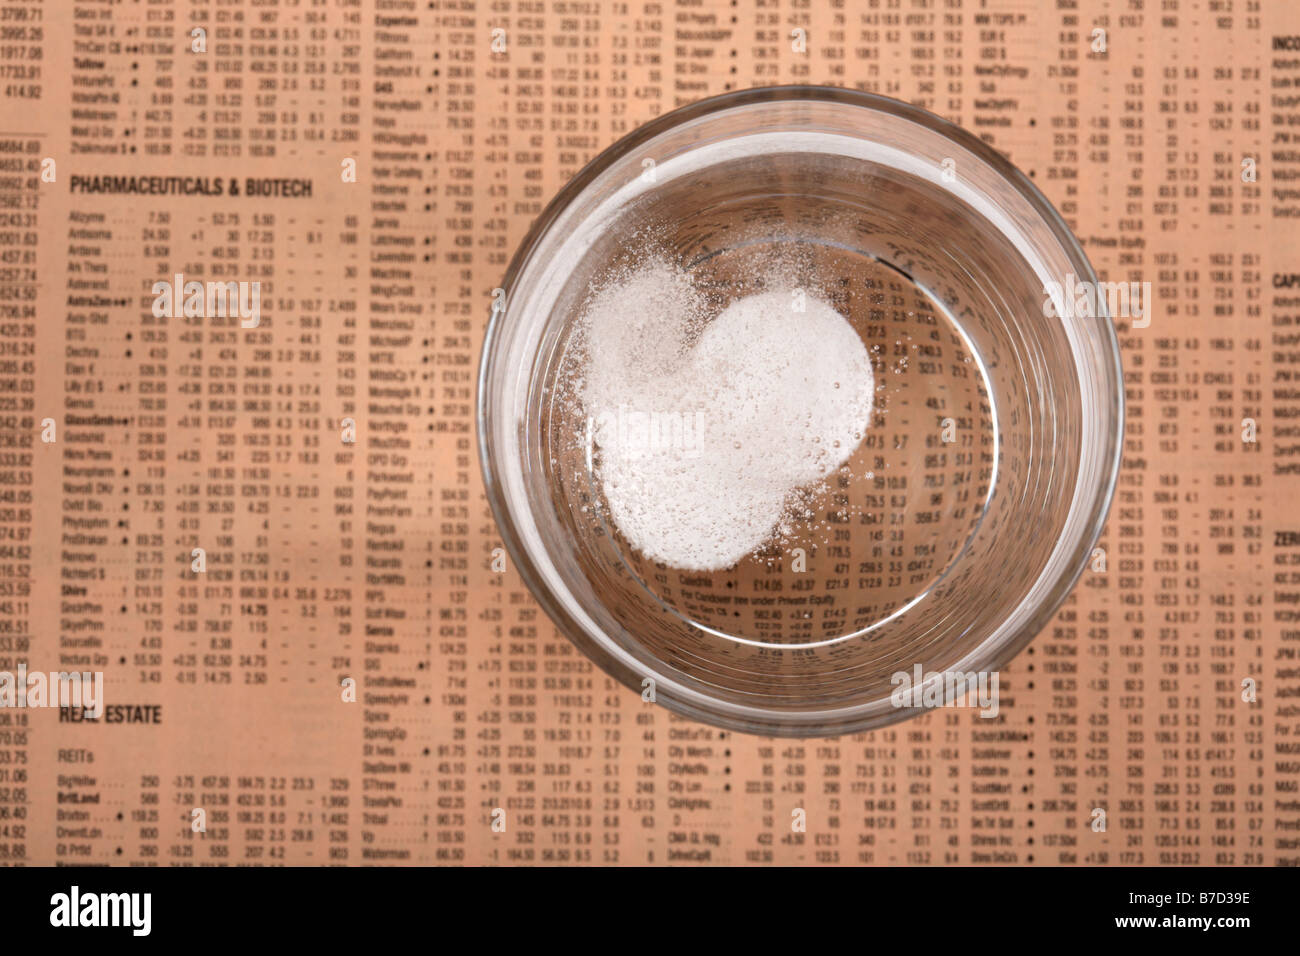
x,y
239,519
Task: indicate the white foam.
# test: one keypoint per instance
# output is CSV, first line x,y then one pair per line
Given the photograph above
x,y
705,430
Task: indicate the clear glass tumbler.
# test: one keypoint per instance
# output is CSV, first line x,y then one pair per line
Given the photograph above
x,y
958,526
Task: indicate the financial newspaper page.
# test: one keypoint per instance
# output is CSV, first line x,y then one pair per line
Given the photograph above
x,y
267,529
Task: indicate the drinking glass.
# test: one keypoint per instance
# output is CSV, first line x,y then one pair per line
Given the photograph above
x,y
958,526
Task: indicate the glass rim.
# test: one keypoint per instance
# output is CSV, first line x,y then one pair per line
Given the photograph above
x,y
750,718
